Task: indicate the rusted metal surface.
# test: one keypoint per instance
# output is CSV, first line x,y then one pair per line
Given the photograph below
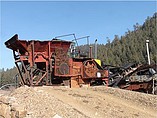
x,y
139,86
50,62
136,77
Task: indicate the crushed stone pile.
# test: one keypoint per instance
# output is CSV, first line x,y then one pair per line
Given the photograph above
x,y
62,102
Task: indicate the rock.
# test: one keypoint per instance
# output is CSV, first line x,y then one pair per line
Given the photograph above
x,y
5,110
56,116
62,102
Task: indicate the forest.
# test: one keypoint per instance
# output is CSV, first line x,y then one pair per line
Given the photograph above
x,y
130,48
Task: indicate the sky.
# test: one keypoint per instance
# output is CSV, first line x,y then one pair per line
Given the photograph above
x,y
41,20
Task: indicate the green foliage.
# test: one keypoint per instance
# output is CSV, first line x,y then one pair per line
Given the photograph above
x,y
7,76
131,47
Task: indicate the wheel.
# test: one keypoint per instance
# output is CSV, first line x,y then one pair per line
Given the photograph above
x,y
90,68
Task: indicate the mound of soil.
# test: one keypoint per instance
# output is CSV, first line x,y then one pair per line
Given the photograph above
x,y
63,102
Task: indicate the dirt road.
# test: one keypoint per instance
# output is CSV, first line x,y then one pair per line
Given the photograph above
x,y
93,102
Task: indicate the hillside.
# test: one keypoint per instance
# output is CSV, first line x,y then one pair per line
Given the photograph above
x,y
7,76
132,46
63,102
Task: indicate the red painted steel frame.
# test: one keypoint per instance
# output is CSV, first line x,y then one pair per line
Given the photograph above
x,y
48,62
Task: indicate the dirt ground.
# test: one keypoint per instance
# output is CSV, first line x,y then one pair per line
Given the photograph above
x,y
91,102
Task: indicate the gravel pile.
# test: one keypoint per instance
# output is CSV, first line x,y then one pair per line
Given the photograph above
x,y
62,102
142,99
39,104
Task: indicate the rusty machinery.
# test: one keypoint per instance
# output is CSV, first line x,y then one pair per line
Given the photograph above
x,y
51,62
135,77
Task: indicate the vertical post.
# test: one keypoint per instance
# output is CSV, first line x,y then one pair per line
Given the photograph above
x,y
32,63
47,72
96,49
147,46
32,53
90,52
74,50
88,46
50,63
